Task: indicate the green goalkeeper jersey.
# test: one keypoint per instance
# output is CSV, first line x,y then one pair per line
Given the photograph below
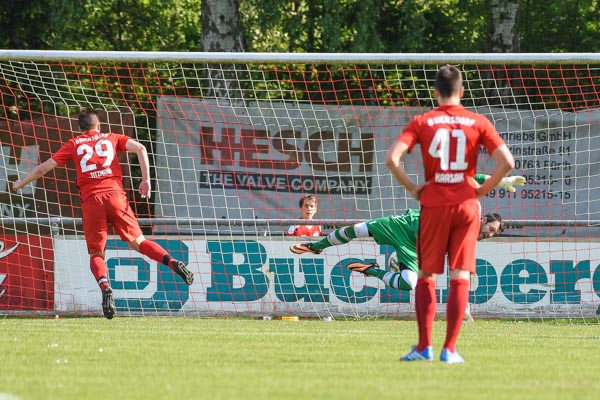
x,y
400,232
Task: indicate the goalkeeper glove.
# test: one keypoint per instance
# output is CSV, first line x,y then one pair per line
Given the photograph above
x,y
508,183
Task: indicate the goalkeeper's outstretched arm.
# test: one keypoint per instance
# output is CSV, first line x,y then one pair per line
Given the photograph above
x,y
507,183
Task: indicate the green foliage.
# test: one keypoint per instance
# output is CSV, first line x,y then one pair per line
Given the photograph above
x,y
366,26
126,25
392,26
559,26
313,26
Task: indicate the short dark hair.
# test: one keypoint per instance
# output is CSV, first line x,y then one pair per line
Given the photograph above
x,y
307,197
491,217
448,81
88,119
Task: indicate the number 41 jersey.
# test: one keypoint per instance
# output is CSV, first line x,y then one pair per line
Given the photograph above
x,y
96,161
450,137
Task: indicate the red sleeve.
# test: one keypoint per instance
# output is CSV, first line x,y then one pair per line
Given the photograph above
x,y
64,154
122,142
490,138
409,135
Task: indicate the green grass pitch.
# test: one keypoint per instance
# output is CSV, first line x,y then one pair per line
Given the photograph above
x,y
203,358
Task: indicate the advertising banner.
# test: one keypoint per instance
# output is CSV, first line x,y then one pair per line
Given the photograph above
x,y
219,160
26,275
260,277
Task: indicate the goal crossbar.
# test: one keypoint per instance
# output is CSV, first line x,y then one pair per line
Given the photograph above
x,y
292,58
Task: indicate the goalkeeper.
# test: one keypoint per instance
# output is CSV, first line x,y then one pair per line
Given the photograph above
x,y
400,232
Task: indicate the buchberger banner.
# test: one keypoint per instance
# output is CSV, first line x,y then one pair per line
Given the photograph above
x,y
26,273
526,279
218,160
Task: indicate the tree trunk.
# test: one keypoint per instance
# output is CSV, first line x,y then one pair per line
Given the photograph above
x,y
222,32
503,22
502,39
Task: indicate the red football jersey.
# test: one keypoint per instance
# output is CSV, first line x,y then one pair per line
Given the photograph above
x,y
450,137
304,230
96,161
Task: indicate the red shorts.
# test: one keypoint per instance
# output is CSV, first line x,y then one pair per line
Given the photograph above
x,y
100,209
451,230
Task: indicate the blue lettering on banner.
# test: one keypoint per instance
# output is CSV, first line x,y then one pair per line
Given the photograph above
x,y
242,281
566,275
241,271
171,292
342,286
523,281
290,291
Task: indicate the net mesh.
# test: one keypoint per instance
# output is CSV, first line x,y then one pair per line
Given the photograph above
x,y
234,147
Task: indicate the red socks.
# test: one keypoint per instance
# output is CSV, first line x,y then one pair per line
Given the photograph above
x,y
100,271
425,304
154,251
457,303
148,248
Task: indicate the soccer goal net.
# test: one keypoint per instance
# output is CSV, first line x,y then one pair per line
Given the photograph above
x,y
236,140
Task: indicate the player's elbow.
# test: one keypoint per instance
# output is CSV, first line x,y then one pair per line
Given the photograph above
x,y
395,155
391,161
133,146
508,164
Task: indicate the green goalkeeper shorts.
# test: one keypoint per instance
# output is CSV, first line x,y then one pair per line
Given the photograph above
x,y
400,232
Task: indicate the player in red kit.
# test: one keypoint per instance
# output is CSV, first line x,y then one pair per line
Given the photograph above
x,y
449,137
103,199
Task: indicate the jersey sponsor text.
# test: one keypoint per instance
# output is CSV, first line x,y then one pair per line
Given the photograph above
x,y
102,173
457,177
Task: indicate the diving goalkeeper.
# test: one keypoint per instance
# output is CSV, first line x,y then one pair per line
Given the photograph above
x,y
400,232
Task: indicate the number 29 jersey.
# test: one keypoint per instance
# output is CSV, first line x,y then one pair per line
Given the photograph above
x,y
450,137
96,161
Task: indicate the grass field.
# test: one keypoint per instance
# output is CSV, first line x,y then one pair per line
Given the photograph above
x,y
195,358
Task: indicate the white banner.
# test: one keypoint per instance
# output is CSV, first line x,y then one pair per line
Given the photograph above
x,y
262,277
223,161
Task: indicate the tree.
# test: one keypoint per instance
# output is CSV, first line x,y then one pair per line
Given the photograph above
x,y
221,26
559,26
222,31
502,39
149,25
503,24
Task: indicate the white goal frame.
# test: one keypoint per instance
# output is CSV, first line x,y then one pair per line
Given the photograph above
x,y
562,244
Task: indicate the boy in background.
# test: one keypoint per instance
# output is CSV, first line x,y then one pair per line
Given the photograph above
x,y
308,209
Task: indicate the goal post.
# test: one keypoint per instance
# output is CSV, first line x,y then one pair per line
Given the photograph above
x,y
236,139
